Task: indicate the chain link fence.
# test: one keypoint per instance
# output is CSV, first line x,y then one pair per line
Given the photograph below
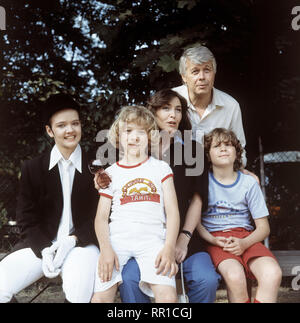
x,y
282,157
280,178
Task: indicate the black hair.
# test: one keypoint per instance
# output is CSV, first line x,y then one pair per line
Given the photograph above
x,y
58,102
164,96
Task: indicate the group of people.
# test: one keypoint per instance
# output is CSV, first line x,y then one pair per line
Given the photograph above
x,y
153,212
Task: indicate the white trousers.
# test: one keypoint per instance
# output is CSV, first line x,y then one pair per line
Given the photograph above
x,y
143,242
22,268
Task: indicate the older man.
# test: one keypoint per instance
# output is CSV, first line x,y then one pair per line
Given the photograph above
x,y
209,108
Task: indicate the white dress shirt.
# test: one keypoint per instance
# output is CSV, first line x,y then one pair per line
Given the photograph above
x,y
223,112
67,172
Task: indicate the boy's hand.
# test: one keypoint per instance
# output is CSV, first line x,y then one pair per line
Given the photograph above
x,y
220,241
165,262
107,260
235,246
101,179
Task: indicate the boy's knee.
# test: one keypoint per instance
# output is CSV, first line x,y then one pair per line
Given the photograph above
x,y
235,277
99,298
96,299
171,298
276,273
166,296
272,275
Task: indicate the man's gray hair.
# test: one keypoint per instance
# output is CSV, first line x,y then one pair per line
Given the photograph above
x,y
198,54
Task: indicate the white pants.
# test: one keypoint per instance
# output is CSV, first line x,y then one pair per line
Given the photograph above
x,y
22,268
143,242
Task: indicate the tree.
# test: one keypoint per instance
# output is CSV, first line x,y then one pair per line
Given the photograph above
x,y
105,53
114,52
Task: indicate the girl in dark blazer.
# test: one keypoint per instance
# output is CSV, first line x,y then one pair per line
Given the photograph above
x,y
56,208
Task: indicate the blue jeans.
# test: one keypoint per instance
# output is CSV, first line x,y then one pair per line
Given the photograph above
x,y
200,276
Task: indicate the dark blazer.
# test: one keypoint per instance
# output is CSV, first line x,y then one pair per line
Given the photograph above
x,y
40,204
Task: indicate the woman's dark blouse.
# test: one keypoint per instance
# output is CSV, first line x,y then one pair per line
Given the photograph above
x,y
186,186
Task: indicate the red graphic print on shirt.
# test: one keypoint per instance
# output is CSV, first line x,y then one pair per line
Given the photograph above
x,y
139,190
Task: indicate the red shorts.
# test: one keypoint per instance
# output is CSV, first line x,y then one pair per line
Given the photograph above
x,y
256,250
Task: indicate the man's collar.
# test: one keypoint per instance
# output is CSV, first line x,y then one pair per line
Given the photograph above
x,y
75,158
217,99
215,102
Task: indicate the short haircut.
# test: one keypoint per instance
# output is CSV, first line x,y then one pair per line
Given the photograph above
x,y
138,115
224,135
58,102
198,54
162,98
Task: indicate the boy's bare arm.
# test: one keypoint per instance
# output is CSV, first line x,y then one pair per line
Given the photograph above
x,y
101,221
107,258
172,212
207,236
166,258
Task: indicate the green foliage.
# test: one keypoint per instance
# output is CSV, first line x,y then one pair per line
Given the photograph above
x,y
190,4
168,63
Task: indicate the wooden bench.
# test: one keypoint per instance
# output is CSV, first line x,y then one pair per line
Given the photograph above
x,y
44,283
288,260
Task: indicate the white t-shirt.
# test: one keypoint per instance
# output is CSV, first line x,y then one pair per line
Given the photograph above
x,y
136,191
232,206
